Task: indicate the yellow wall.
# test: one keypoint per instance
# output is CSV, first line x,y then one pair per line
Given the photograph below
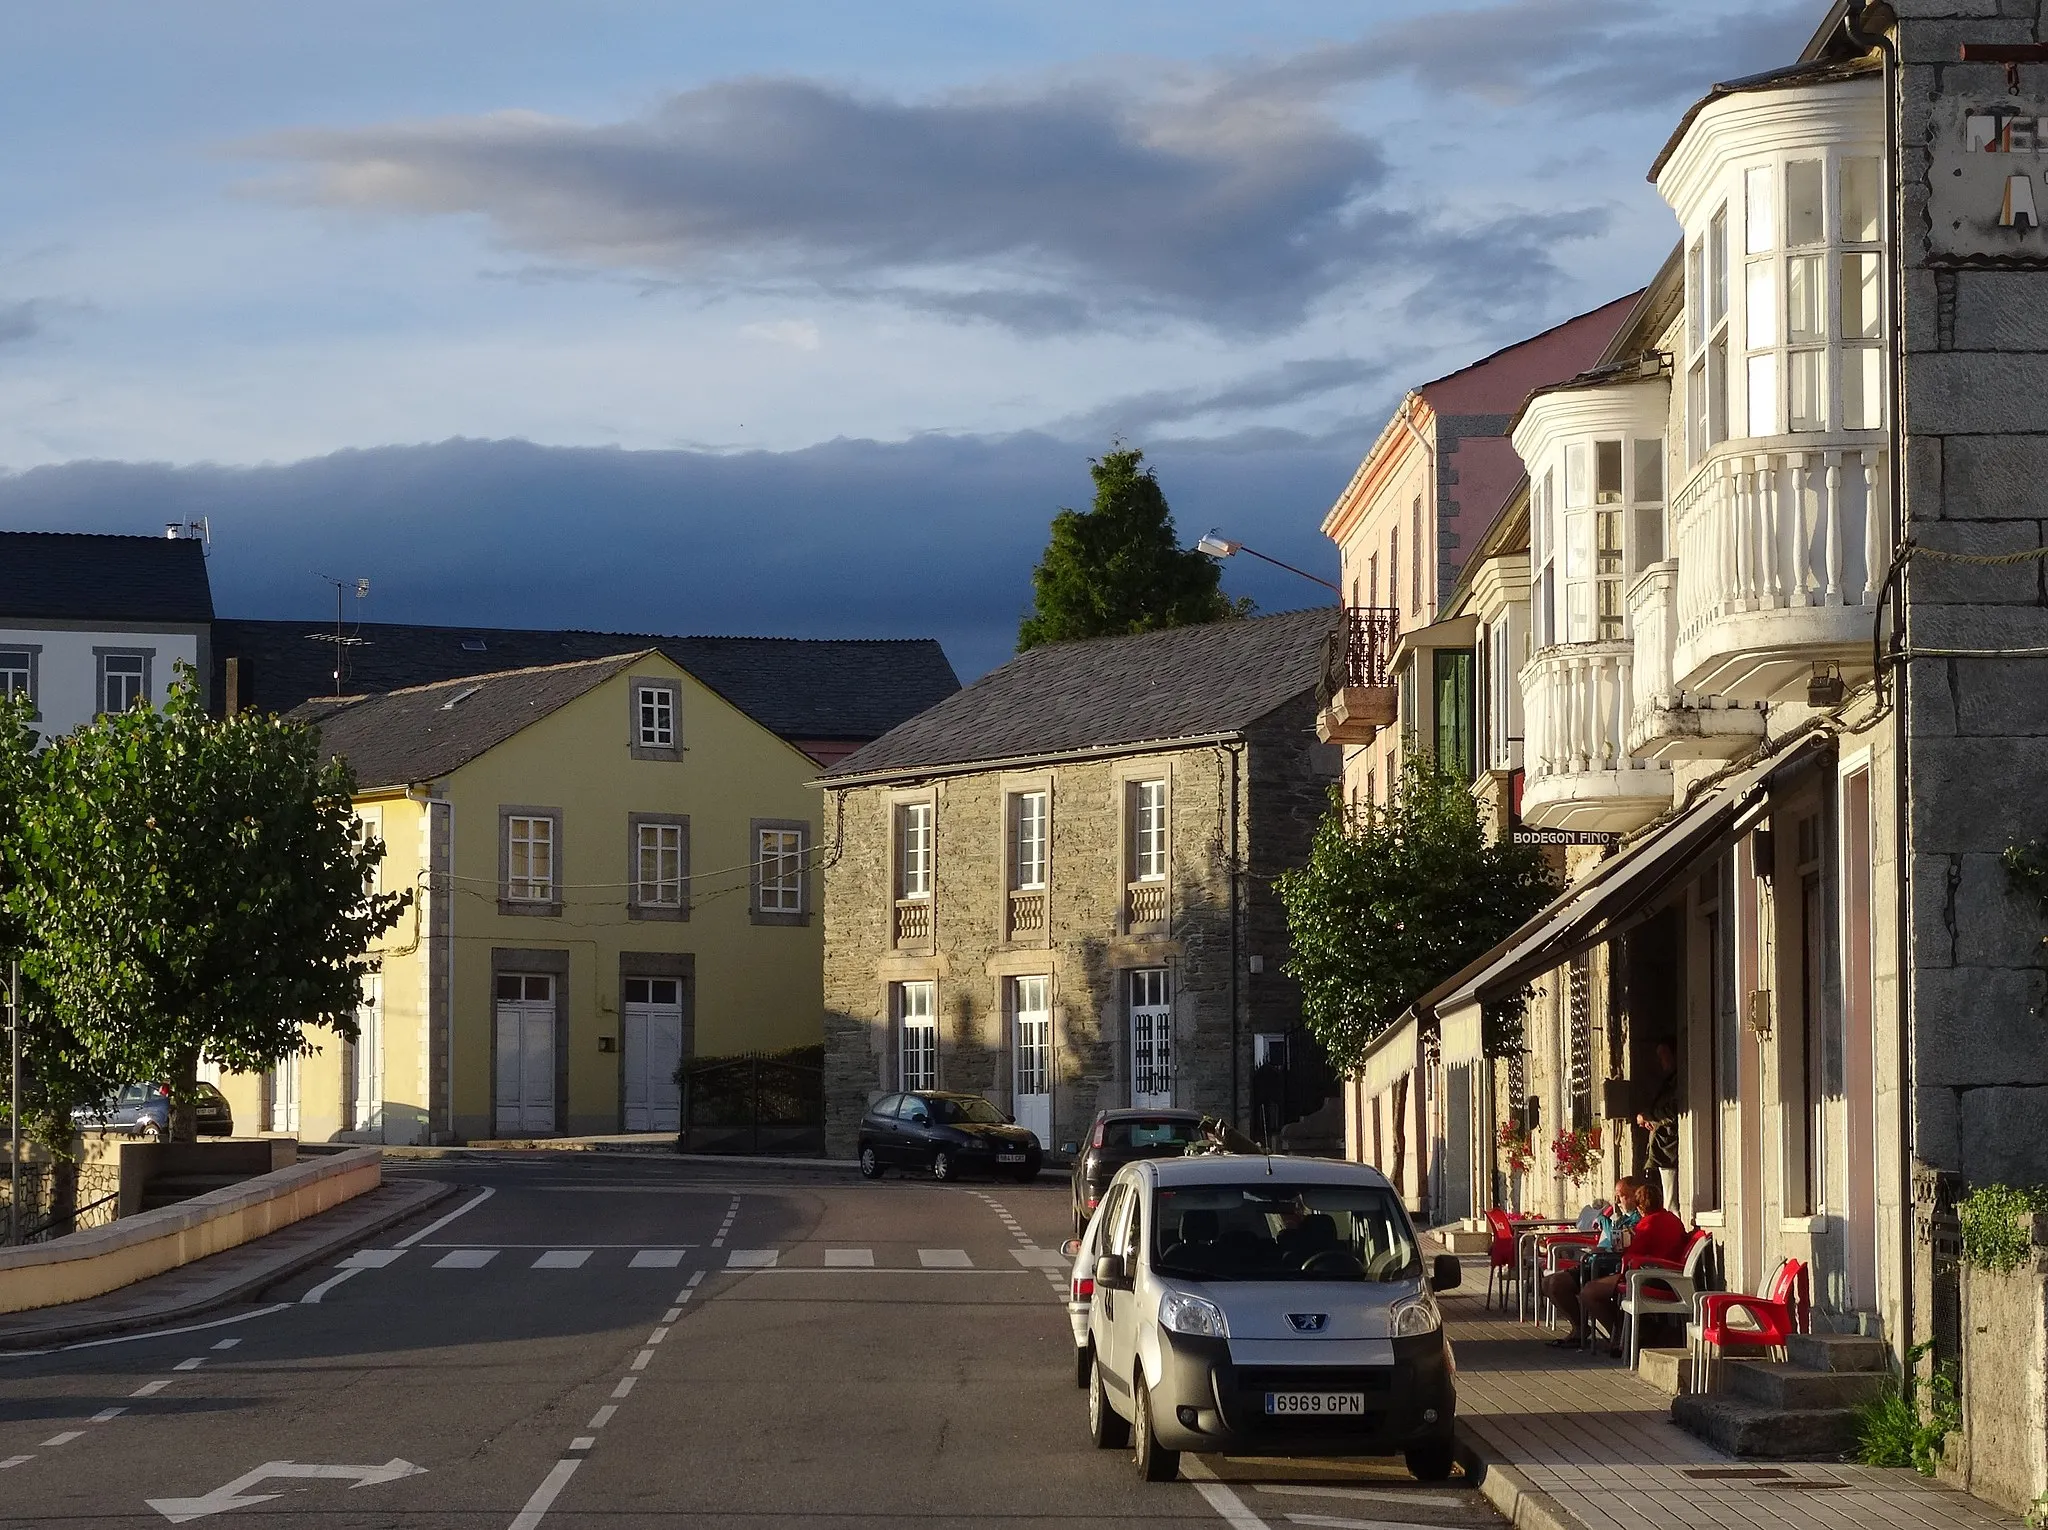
x,y
755,987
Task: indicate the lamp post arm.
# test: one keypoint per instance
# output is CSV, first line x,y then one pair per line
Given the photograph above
x,y
1293,570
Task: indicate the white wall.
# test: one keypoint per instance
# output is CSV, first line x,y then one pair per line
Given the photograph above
x,y
67,670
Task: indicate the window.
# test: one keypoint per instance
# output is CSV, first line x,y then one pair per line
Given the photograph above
x,y
1372,579
656,733
1649,505
1706,379
1394,567
529,858
914,850
18,672
1415,555
1027,842
1862,296
918,1033
780,854
124,678
658,865
1148,831
1453,668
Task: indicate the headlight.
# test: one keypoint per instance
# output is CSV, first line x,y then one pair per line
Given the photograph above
x,y
1192,1315
1415,1317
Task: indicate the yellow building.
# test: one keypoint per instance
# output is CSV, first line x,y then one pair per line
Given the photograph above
x,y
611,870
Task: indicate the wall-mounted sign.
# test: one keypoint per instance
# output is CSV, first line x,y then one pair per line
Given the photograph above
x,y
1527,836
1988,179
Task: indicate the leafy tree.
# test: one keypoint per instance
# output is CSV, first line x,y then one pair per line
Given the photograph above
x,y
1390,905
196,887
1119,568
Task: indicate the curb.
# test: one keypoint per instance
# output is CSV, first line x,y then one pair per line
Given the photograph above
x,y
508,1151
249,1284
1521,1503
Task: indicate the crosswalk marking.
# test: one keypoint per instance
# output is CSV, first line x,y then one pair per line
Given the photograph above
x,y
656,1259
849,1258
562,1259
466,1259
1041,1258
750,1259
944,1259
372,1258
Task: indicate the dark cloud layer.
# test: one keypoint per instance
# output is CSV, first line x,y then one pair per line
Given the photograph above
x,y
933,537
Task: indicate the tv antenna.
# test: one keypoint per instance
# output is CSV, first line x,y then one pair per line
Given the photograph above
x,y
341,640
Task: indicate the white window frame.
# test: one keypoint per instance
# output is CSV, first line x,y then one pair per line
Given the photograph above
x,y
654,707
23,663
663,840
521,835
780,854
914,850
917,1011
1030,840
105,673
1149,830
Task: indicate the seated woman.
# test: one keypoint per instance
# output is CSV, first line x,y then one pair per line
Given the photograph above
x,y
1659,1236
1613,1225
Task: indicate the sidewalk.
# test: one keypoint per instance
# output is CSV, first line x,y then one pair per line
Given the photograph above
x,y
1575,1442
230,1276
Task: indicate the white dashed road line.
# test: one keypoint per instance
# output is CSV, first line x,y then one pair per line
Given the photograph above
x,y
440,1222
563,1259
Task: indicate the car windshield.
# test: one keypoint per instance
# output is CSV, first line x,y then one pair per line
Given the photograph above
x,y
974,1111
1278,1231
1142,1136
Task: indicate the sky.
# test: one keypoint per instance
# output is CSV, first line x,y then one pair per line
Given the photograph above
x,y
793,317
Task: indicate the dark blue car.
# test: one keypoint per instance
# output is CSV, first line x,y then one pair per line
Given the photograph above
x,y
144,1110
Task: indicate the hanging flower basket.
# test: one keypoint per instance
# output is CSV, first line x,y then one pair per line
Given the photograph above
x,y
1576,1154
1517,1149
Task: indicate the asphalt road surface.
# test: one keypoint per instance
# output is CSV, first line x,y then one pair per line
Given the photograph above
x,y
581,1341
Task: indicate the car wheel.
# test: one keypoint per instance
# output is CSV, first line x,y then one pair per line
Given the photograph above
x,y
942,1165
1431,1462
1084,1362
1155,1462
150,1131
870,1165
1105,1428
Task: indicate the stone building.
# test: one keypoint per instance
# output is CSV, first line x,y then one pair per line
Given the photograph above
x,y
1055,887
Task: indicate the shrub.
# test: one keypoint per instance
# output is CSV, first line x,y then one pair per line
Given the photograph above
x,y
1997,1224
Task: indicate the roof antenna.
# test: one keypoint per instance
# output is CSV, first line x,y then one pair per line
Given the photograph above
x,y
341,642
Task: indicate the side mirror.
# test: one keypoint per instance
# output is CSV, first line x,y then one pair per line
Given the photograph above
x,y
1109,1272
1071,1248
919,1118
1447,1274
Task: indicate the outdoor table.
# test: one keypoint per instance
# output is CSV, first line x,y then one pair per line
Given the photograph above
x,y
1527,1231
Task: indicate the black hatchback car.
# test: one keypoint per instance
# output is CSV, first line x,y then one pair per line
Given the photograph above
x,y
949,1134
1123,1136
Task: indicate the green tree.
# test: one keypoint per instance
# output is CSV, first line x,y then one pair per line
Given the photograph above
x,y
1391,904
1119,568
194,887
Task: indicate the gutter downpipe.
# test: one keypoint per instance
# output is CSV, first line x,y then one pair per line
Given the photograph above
x,y
1235,753
1887,48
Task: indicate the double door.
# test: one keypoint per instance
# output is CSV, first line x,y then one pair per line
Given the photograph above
x,y
1151,1015
525,1082
651,1019
1031,1062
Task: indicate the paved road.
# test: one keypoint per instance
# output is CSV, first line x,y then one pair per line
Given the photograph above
x,y
583,1342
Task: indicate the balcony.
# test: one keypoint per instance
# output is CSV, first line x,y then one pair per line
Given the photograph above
x,y
1666,723
913,922
1781,546
1356,696
1145,907
1578,772
1027,914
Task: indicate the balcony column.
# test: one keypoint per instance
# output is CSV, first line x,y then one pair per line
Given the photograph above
x,y
1773,588
1877,555
1744,588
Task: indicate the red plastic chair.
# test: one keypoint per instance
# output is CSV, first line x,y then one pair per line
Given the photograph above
x,y
1772,1320
1555,1250
1663,1287
1500,1254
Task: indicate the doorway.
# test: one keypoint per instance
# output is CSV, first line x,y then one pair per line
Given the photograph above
x,y
1031,1064
651,1018
525,1080
283,1092
1151,1039
366,1060
1859,1048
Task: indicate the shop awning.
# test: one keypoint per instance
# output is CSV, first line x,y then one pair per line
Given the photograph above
x,y
1619,893
1394,1053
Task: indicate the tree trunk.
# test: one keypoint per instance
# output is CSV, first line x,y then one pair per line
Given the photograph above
x,y
185,1098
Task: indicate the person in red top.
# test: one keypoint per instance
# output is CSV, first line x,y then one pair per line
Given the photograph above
x,y
1658,1238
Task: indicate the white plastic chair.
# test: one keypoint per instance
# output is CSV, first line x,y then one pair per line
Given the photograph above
x,y
1637,1303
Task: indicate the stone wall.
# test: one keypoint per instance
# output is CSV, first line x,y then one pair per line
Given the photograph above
x,y
1267,792
2004,1442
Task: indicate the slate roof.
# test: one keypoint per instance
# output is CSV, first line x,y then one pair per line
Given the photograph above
x,y
1108,693
73,576
424,732
797,688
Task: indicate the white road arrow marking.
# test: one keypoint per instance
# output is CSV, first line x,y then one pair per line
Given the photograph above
x,y
234,1495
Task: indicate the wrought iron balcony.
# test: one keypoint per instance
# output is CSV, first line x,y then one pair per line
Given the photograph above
x,y
1356,696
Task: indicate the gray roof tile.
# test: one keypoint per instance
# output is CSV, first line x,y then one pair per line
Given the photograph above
x,y
78,577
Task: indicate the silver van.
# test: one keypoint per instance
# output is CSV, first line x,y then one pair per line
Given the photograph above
x,y
1272,1306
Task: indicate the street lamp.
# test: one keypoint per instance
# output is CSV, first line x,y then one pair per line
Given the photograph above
x,y
1222,547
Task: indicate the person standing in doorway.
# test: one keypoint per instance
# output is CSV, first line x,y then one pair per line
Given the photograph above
x,y
1660,1120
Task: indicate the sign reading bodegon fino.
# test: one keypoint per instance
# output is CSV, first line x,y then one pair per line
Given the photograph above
x,y
1988,180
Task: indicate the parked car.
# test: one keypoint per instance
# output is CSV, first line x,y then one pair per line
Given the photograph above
x,y
949,1134
1124,1136
144,1110
1265,1306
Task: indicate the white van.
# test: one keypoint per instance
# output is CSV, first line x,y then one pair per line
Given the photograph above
x,y
1271,1306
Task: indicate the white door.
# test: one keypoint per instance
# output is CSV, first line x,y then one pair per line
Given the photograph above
x,y
284,1094
1151,1039
1031,1078
367,1074
526,1054
652,1014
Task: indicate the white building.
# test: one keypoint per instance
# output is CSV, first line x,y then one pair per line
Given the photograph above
x,y
92,624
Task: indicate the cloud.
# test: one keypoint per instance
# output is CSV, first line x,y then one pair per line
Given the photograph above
x,y
1291,382
1597,55
931,537
797,334
20,321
